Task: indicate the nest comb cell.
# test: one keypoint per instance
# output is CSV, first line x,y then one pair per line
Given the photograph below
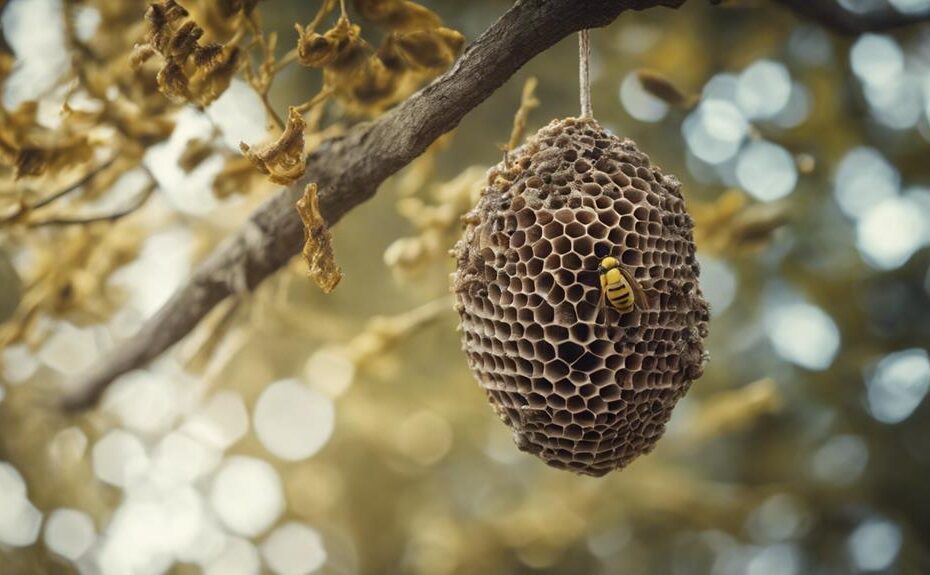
x,y
583,384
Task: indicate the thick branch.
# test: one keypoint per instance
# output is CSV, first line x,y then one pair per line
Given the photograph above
x,y
832,15
348,171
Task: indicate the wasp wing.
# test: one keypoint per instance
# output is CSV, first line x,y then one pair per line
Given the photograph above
x,y
640,299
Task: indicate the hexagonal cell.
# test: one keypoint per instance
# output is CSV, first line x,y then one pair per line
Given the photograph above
x,y
575,230
582,166
542,314
565,316
575,403
553,230
620,179
570,351
597,230
591,189
561,245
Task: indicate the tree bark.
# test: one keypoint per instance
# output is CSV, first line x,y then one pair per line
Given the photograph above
x,y
348,170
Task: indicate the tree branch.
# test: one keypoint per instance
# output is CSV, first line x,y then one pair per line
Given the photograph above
x,y
830,14
140,201
348,170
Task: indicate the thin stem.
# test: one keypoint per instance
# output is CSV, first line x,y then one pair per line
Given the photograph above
x,y
321,96
60,193
584,73
285,60
111,217
342,7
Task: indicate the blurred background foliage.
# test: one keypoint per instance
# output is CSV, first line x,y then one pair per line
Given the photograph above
x,y
299,432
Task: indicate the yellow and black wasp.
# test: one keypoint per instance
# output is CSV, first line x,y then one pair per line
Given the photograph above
x,y
619,288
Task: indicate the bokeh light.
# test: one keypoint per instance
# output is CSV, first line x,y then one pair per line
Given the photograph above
x,y
803,334
715,131
293,421
294,549
119,457
841,460
863,179
767,171
247,495
874,545
900,382
763,89
892,231
239,557
639,103
20,521
69,533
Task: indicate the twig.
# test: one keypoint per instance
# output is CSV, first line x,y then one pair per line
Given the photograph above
x,y
111,217
348,170
85,179
320,97
831,14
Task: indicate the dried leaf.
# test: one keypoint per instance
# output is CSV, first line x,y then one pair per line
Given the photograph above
x,y
731,411
528,102
731,224
190,71
11,287
238,177
398,15
664,89
341,47
32,149
429,49
318,246
754,226
283,160
213,78
195,152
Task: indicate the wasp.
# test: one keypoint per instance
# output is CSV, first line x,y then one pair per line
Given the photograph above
x,y
619,288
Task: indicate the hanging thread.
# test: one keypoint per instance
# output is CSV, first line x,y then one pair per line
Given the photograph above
x,y
584,73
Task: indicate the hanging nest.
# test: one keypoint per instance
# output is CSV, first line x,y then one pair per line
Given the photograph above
x,y
583,386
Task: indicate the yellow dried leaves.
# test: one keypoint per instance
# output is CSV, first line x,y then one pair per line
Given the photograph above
x,y
341,47
732,225
318,243
282,160
399,15
191,71
731,411
366,80
436,224
528,103
32,149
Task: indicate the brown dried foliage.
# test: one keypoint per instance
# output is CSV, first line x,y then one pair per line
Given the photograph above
x,y
731,225
662,87
367,80
33,150
318,243
282,160
191,71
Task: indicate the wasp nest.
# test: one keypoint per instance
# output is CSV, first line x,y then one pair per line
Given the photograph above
x,y
583,386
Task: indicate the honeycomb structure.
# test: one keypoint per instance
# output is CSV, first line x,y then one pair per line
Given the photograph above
x,y
583,386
